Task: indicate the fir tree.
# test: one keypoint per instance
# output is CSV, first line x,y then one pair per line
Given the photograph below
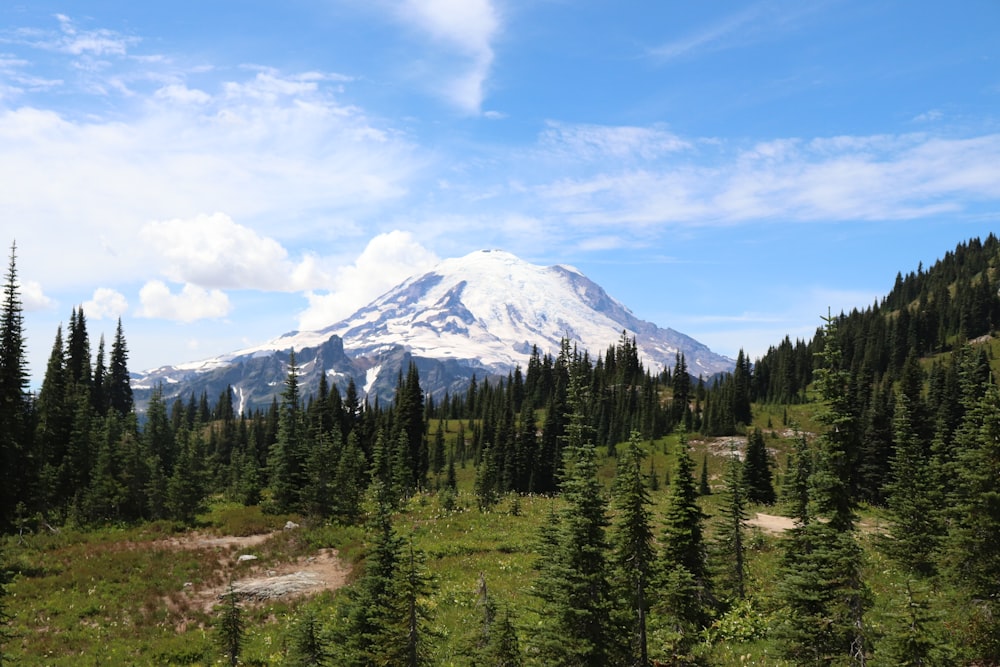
x,y
573,584
495,643
757,471
972,550
685,595
385,619
633,552
349,480
307,646
796,487
319,490
119,389
914,533
730,542
14,405
916,640
821,580
285,457
231,628
704,488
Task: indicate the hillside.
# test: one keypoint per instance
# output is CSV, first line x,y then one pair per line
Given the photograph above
x,y
484,527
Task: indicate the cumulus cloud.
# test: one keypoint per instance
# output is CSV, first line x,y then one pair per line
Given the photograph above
x,y
213,251
190,304
467,28
106,303
33,297
387,260
288,152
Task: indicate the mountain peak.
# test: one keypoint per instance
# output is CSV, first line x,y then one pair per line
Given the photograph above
x,y
482,313
492,306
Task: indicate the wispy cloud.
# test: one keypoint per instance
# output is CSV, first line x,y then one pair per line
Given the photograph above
x,y
467,29
712,38
841,178
761,21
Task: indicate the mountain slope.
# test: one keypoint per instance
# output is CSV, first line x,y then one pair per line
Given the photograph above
x,y
481,313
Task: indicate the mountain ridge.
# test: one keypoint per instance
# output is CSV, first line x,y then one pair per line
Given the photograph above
x,y
479,314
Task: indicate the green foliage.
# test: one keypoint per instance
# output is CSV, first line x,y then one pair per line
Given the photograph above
x,y
572,585
230,628
633,556
916,639
307,646
915,531
821,583
757,470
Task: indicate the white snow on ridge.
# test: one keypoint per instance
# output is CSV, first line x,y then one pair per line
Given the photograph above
x,y
491,307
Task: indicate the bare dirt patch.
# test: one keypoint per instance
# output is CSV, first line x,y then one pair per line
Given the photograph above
x,y
771,523
252,581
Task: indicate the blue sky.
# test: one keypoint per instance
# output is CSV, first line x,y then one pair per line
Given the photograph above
x,y
219,173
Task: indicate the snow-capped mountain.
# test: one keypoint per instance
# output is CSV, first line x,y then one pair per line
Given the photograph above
x,y
480,314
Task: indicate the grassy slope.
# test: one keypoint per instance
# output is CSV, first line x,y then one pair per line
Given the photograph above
x,y
113,596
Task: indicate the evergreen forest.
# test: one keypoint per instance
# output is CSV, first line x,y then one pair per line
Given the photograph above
x,y
834,502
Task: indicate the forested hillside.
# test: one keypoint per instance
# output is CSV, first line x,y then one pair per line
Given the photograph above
x,y
592,497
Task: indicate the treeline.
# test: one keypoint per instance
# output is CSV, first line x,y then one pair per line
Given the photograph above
x,y
77,452
925,313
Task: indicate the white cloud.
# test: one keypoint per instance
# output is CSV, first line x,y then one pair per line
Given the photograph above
x,y
190,304
106,303
291,153
387,260
178,92
213,251
77,42
840,178
467,27
600,142
33,297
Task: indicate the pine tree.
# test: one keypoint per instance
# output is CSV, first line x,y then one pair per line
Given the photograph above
x,y
573,585
349,480
704,488
119,389
914,533
757,471
285,457
319,488
633,555
730,542
385,618
972,550
15,469
821,580
916,641
231,628
307,646
683,581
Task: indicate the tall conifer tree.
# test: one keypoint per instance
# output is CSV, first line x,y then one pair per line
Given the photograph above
x,y
15,469
634,554
573,584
